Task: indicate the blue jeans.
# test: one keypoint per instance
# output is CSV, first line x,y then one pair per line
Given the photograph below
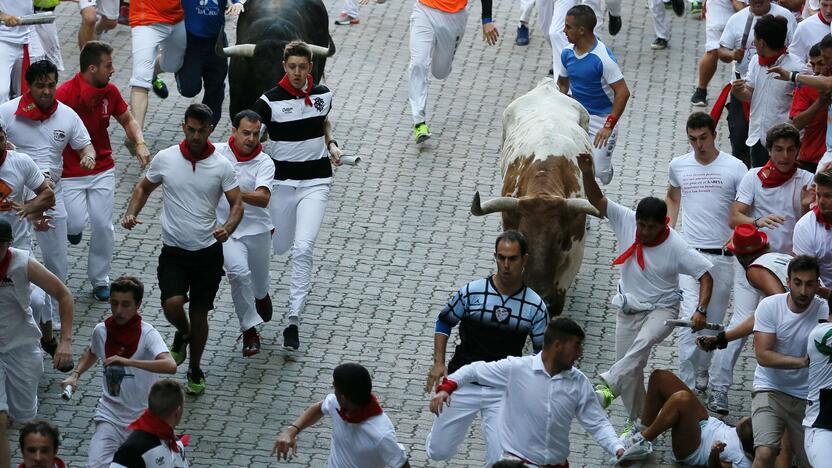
x,y
202,65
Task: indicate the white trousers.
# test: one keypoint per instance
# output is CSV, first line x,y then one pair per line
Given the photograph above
x,y
92,198
297,214
350,8
661,22
104,444
10,57
545,9
691,358
434,37
635,337
451,426
53,248
246,262
818,445
526,7
148,41
44,44
602,157
746,298
20,372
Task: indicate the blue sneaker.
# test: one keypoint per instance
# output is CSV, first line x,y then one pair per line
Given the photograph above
x,y
522,35
101,293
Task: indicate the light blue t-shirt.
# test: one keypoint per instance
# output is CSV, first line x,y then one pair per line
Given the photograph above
x,y
590,76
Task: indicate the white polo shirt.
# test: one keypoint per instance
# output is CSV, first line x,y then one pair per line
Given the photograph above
x,y
812,238
658,282
772,98
368,444
773,315
16,34
538,408
251,175
189,203
735,27
45,141
18,174
808,33
707,194
783,200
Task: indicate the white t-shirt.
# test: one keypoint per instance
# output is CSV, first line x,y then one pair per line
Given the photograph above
x,y
812,238
735,27
17,175
772,98
370,444
783,200
707,194
808,33
17,325
773,315
45,141
16,34
658,283
251,175
189,209
134,385
819,349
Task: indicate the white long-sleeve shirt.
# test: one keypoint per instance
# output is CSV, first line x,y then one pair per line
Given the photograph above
x,y
538,408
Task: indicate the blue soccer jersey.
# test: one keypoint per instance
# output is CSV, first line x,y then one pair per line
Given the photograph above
x,y
590,76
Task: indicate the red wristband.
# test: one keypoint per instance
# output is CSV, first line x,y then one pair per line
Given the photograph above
x,y
447,385
611,121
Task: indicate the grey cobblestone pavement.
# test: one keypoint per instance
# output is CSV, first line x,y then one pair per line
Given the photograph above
x,y
397,239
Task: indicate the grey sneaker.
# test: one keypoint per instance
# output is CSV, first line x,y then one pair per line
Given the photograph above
x,y
635,448
718,401
702,380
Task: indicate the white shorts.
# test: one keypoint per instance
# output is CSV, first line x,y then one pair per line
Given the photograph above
x,y
708,431
147,42
20,371
818,445
106,8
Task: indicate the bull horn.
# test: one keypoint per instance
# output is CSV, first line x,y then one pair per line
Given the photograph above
x,y
239,50
319,50
494,205
582,206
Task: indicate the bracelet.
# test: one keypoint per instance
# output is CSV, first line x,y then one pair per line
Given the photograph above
x,y
487,20
793,77
297,428
755,222
331,142
611,121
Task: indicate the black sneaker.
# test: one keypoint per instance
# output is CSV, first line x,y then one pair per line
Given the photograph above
x,y
678,7
290,337
659,44
700,97
551,72
159,87
75,239
615,24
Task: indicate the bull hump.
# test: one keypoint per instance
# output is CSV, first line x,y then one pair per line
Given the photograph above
x,y
551,175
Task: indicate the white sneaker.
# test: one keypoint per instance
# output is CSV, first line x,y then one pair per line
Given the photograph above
x,y
635,448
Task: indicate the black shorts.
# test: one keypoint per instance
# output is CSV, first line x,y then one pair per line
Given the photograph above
x,y
195,274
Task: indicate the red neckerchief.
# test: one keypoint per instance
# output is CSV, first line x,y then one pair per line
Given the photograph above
x,y
27,108
122,340
823,18
638,246
155,426
56,463
362,414
239,156
823,221
285,84
769,61
4,265
772,177
186,153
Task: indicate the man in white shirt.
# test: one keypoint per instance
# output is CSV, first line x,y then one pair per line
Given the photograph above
x,y
41,126
706,181
782,324
813,233
770,98
14,40
133,353
362,434
652,256
810,31
542,394
247,252
719,12
194,178
818,420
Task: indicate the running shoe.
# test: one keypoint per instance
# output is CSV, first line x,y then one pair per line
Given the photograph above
x,y
605,395
75,239
179,348
159,88
421,132
659,44
615,24
346,20
251,342
718,402
701,380
678,7
290,338
522,35
700,97
196,382
696,9
101,293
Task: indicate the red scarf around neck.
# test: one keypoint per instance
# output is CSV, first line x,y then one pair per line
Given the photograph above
x,y
285,84
638,246
155,426
823,221
362,414
248,157
769,61
771,177
27,108
186,153
4,265
823,18
122,340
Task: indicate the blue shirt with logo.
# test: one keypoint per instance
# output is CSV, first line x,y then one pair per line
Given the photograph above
x,y
205,18
590,76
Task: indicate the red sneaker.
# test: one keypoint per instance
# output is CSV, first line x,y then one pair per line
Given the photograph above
x,y
251,342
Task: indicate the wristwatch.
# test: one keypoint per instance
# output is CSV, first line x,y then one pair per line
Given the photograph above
x,y
702,310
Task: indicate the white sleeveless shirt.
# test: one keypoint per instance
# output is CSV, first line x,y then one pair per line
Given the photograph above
x,y
17,326
776,263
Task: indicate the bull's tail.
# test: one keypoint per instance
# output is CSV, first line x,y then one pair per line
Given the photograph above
x,y
331,47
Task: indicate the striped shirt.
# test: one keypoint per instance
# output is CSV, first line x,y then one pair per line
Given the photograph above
x,y
492,326
296,134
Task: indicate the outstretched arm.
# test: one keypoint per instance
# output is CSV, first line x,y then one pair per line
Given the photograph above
x,y
593,191
288,438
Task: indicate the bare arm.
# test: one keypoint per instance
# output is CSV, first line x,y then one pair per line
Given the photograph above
x,y
259,197
43,278
438,370
563,84
143,190
87,360
706,287
44,199
730,55
622,95
737,5
804,118
764,344
673,199
162,364
591,188
331,147
134,133
288,438
742,91
739,214
235,214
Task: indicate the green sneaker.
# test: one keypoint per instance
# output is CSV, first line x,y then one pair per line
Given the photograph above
x,y
421,132
179,348
159,88
696,8
196,382
629,429
605,395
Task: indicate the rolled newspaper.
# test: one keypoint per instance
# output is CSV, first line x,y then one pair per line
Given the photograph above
x,y
67,393
37,18
350,160
688,323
